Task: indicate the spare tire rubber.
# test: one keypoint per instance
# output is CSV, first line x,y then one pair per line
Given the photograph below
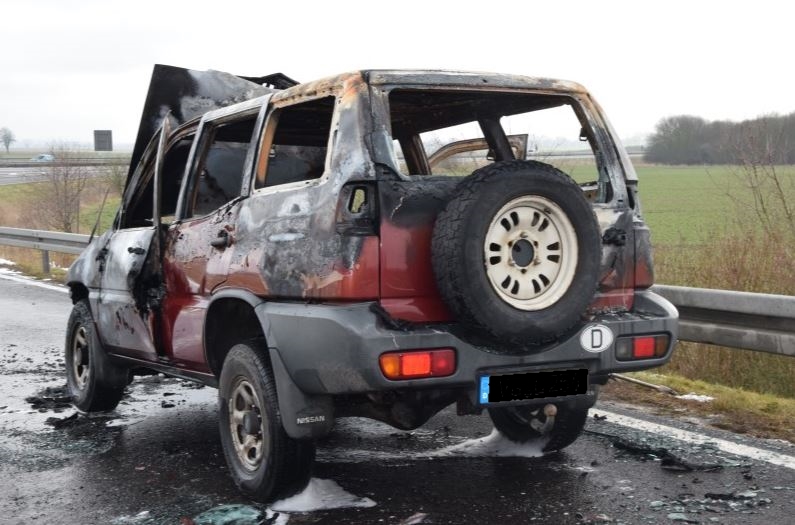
x,y
516,252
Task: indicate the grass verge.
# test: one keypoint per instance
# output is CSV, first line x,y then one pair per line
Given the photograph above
x,y
734,409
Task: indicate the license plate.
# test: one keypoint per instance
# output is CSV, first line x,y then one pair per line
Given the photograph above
x,y
532,385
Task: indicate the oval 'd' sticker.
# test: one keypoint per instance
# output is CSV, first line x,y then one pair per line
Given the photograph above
x,y
596,338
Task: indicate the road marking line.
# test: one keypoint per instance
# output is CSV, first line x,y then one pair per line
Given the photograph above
x,y
33,282
775,458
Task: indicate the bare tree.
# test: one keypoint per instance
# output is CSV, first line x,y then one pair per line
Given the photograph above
x,y
65,181
7,137
115,176
760,149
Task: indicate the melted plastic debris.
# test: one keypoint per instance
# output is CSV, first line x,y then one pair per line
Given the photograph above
x,y
321,494
692,396
495,445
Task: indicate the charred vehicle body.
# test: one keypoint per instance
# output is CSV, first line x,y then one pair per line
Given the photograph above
x,y
380,244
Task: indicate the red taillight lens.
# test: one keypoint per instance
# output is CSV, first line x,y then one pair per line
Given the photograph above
x,y
417,364
643,347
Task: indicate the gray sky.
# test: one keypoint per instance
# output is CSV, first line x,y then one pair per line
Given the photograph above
x,y
69,67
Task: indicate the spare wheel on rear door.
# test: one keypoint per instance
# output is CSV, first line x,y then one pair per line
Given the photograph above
x,y
516,252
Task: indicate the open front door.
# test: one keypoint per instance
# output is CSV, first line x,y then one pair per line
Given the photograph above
x,y
131,286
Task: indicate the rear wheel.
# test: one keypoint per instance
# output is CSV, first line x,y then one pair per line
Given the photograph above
x,y
95,384
264,461
552,428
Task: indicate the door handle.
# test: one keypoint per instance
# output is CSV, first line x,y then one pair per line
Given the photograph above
x,y
222,241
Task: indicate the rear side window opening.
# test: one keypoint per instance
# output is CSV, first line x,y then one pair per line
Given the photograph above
x,y
295,145
438,132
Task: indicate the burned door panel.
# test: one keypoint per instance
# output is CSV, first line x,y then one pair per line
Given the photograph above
x,y
125,316
193,268
289,244
299,236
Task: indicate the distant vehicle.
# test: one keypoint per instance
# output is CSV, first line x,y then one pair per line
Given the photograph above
x,y
43,157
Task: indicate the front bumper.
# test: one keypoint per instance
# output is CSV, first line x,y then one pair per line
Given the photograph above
x,y
334,350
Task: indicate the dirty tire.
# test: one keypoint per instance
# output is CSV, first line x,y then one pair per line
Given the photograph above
x,y
265,463
95,384
513,423
516,252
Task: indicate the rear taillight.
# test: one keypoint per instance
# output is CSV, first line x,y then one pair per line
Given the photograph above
x,y
642,347
416,364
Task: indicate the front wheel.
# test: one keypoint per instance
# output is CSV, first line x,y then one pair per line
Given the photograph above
x,y
532,424
95,384
264,461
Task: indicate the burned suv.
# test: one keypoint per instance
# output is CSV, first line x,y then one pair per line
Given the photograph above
x,y
380,244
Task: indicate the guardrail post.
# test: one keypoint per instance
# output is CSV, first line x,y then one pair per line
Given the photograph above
x,y
45,261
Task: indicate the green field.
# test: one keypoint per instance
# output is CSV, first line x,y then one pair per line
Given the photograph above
x,y
690,204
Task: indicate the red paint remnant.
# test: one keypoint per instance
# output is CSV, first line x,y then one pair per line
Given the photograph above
x,y
408,287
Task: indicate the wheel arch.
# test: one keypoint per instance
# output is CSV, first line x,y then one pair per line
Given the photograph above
x,y
304,416
231,308
77,291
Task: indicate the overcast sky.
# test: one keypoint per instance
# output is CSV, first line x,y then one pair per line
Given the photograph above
x,y
69,67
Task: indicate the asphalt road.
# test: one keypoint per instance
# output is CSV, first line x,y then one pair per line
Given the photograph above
x,y
36,174
158,459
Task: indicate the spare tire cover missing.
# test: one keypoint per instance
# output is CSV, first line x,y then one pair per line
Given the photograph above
x,y
516,252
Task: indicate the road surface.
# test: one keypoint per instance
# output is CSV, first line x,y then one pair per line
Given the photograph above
x,y
158,458
36,174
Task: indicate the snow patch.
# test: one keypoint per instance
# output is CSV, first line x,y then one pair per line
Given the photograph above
x,y
321,494
495,444
6,262
692,396
10,275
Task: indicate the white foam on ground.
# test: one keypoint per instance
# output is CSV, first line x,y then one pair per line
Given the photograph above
x,y
321,494
138,518
6,262
10,275
493,445
692,396
768,456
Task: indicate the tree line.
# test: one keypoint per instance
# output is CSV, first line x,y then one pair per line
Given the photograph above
x,y
687,139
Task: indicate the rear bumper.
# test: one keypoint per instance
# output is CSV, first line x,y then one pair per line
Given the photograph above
x,y
334,350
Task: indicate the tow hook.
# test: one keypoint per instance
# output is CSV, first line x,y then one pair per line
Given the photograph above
x,y
550,411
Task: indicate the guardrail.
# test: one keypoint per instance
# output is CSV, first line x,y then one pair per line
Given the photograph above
x,y
749,321
46,241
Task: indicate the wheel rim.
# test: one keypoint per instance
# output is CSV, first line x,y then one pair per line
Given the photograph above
x,y
80,357
246,426
530,253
